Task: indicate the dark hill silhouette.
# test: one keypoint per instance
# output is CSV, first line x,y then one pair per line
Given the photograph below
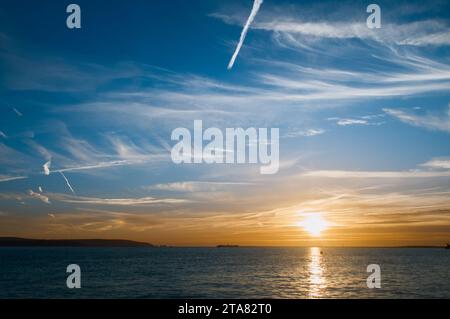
x,y
26,242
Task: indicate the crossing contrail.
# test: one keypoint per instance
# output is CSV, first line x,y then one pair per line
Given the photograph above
x,y
256,6
67,182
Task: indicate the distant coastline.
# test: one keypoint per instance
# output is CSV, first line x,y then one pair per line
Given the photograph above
x,y
27,242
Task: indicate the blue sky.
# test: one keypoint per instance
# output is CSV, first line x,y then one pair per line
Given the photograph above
x,y
363,114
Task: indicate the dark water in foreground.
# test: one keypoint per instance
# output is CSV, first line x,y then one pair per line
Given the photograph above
x,y
224,272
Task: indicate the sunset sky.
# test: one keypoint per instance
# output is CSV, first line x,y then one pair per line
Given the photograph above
x,y
363,114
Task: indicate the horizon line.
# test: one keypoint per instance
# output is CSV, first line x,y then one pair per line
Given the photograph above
x,y
219,245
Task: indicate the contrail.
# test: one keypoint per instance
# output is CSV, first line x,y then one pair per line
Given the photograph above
x,y
17,112
11,178
67,182
251,17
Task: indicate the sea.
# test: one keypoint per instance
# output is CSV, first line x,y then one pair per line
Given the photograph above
x,y
40,272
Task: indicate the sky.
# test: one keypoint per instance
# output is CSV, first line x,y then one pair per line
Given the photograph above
x,y
363,115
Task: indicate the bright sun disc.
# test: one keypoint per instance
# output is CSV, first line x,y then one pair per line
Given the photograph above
x,y
314,224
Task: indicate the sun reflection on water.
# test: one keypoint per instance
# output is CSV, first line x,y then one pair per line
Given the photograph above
x,y
317,281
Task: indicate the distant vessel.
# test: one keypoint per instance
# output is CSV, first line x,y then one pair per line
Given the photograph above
x,y
448,246
227,246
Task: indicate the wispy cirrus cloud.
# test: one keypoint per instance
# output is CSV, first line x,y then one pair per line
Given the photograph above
x,y
57,74
197,186
142,201
308,21
346,122
410,73
420,33
373,119
66,153
429,121
376,174
305,133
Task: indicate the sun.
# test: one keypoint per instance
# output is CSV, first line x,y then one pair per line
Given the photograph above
x,y
314,224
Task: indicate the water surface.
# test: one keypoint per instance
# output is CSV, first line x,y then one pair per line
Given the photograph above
x,y
224,272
